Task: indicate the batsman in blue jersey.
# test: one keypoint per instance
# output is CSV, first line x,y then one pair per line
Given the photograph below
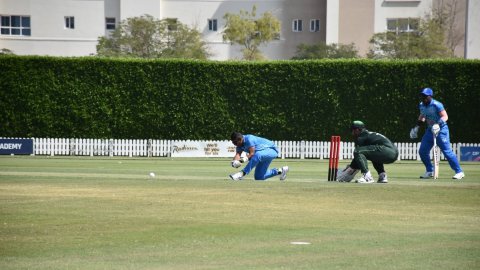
x,y
260,153
434,115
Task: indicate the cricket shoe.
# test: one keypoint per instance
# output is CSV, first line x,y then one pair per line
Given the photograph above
x,y
382,178
283,174
236,176
427,175
365,179
458,176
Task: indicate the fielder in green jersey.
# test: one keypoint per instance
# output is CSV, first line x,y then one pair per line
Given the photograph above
x,y
371,146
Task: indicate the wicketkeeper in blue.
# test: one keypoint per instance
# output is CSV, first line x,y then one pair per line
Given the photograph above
x,y
260,153
434,115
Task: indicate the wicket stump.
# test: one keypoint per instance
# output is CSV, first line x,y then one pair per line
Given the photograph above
x,y
333,158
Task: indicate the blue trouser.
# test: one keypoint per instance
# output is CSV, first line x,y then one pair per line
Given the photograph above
x,y
261,160
443,141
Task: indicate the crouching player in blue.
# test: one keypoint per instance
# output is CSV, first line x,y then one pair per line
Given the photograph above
x,y
433,113
260,153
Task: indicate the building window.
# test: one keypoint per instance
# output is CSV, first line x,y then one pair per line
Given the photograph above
x,y
402,25
15,25
314,25
212,25
110,23
297,25
69,22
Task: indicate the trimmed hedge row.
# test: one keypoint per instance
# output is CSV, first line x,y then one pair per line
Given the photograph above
x,y
180,99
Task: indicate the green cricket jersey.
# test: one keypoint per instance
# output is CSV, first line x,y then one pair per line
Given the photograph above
x,y
375,147
372,138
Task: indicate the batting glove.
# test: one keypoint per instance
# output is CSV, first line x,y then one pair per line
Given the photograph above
x,y
236,163
346,175
435,129
414,132
243,159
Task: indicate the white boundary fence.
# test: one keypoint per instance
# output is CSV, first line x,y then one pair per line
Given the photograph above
x,y
164,148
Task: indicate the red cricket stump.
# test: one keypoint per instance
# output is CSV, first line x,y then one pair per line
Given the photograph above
x,y
333,158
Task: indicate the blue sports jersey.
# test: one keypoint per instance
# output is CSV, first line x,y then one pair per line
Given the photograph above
x,y
258,142
431,112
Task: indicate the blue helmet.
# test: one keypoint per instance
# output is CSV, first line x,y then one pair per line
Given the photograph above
x,y
427,92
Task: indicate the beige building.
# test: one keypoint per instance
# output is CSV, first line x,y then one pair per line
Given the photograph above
x,y
72,27
352,21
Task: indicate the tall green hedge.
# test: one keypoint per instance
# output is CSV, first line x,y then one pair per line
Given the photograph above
x,y
179,99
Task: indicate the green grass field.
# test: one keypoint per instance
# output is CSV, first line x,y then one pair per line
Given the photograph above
x,y
106,213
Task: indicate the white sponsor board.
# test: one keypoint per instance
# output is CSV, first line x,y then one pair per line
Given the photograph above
x,y
203,149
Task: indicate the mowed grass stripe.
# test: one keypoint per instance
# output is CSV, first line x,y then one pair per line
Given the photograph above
x,y
90,213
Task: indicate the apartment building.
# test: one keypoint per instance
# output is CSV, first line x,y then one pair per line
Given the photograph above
x,y
72,27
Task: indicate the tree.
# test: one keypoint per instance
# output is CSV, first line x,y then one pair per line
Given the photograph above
x,y
425,41
446,14
322,50
244,29
147,37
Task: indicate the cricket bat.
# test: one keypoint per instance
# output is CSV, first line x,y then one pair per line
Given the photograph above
x,y
436,157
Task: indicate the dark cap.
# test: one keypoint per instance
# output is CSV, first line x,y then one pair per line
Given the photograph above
x,y
235,136
357,124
